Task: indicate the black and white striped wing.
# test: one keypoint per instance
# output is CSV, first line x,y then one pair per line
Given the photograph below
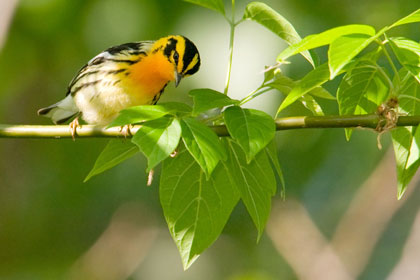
x,y
109,62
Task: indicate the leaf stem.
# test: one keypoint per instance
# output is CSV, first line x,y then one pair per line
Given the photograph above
x,y
409,97
213,119
239,21
254,94
386,77
391,63
232,35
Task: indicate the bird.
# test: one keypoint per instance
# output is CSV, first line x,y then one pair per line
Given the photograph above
x,y
123,76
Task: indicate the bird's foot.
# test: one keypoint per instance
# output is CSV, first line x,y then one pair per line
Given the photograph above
x,y
125,130
73,127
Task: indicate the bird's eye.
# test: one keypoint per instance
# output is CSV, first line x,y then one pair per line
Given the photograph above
x,y
176,57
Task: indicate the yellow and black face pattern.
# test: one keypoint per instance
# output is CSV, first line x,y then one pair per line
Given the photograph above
x,y
183,54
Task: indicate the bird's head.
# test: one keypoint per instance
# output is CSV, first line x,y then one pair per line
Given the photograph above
x,y
182,54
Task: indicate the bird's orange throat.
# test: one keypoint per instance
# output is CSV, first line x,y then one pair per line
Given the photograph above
x,y
152,73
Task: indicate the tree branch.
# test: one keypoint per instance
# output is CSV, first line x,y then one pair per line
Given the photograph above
x,y
63,131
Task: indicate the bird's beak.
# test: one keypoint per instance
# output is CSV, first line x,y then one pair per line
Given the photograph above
x,y
178,78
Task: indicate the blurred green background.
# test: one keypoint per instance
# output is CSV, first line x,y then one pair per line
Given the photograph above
x,y
53,226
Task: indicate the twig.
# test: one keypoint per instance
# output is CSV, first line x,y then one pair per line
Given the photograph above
x,y
97,131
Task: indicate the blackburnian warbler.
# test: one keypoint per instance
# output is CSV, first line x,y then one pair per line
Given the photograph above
x,y
123,76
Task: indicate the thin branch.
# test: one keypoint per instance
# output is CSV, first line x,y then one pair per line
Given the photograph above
x,y
232,36
59,131
92,131
388,57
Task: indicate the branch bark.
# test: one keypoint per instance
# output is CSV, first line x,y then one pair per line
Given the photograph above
x,y
63,131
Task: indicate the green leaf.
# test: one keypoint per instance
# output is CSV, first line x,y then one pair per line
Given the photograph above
x,y
195,209
138,114
269,73
281,83
276,23
286,84
408,54
362,90
272,154
115,152
252,129
345,48
203,144
178,109
406,140
157,139
322,93
216,5
206,99
255,181
324,38
313,79
413,17
312,105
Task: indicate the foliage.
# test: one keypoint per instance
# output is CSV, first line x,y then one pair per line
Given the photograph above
x,y
201,185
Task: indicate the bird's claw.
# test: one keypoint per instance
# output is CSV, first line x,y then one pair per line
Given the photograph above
x,y
73,127
125,130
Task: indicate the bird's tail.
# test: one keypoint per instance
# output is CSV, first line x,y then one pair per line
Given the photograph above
x,y
61,111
